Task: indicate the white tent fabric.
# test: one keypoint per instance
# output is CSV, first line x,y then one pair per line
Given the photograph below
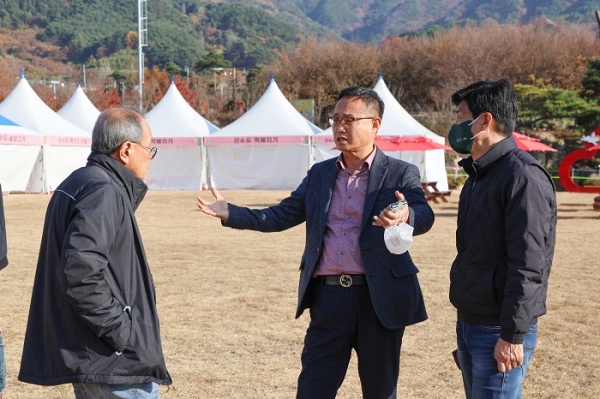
x,y
267,148
19,150
397,121
211,128
177,131
66,146
80,111
323,146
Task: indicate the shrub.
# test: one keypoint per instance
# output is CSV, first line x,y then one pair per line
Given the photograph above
x,y
454,183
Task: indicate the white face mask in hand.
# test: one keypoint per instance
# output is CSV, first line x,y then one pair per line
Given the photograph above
x,y
399,238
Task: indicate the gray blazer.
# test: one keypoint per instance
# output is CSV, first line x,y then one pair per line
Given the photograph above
x,y
392,279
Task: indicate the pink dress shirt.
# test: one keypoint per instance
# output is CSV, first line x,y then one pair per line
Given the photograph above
x,y
341,252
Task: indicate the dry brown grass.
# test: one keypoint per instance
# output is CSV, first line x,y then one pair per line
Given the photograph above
x,y
227,299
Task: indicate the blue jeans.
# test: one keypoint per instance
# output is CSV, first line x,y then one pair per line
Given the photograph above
x,y
116,391
2,365
481,377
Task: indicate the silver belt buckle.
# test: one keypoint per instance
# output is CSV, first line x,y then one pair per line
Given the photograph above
x,y
346,280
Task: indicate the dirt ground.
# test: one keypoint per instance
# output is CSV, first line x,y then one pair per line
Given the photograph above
x,y
227,299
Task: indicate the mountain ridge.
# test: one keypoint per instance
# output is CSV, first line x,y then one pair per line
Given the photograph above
x,y
250,32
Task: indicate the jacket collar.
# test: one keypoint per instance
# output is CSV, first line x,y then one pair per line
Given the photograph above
x,y
135,188
377,174
367,163
479,167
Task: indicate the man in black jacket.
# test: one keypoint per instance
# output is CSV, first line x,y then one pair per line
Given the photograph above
x,y
505,241
3,263
93,319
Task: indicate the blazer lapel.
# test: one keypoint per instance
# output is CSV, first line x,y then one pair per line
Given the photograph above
x,y
376,177
325,193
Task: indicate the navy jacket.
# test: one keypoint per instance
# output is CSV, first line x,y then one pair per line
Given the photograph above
x,y
391,279
505,241
93,315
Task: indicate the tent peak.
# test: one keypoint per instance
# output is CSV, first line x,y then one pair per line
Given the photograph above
x,y
380,74
172,79
22,73
272,77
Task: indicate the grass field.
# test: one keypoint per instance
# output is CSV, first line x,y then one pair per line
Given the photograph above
x,y
227,299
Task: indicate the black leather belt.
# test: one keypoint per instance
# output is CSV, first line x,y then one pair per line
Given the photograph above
x,y
345,280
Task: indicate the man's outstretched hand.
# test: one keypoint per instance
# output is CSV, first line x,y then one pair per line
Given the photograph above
x,y
218,209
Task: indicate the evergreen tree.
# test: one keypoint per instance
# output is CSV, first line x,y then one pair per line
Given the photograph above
x,y
212,60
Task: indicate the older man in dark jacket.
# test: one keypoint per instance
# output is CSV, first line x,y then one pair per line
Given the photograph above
x,y
3,263
93,319
505,241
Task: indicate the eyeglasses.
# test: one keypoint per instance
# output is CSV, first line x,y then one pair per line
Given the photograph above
x,y
151,150
346,120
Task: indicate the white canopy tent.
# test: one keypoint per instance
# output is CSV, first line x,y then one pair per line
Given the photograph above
x,y
396,121
19,151
323,146
80,111
267,148
177,131
66,146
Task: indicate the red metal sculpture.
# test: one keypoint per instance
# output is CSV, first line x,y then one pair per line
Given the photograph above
x,y
564,171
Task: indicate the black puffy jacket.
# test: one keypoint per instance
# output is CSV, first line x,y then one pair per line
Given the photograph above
x,y
505,241
93,315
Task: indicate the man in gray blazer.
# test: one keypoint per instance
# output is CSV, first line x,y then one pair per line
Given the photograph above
x,y
360,295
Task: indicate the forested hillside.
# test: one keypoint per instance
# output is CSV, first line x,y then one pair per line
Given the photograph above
x,y
98,28
368,20
426,48
177,32
249,32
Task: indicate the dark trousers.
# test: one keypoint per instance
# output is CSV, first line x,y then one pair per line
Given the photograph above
x,y
343,319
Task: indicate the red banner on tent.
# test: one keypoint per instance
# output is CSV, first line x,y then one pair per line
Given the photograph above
x,y
256,140
323,139
20,139
176,141
69,141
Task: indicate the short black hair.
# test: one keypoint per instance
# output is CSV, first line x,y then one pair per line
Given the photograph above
x,y
494,96
370,97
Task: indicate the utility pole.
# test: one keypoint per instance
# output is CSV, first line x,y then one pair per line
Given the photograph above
x,y
218,71
84,86
233,92
142,41
53,83
598,18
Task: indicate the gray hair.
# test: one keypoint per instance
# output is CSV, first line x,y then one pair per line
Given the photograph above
x,y
115,126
